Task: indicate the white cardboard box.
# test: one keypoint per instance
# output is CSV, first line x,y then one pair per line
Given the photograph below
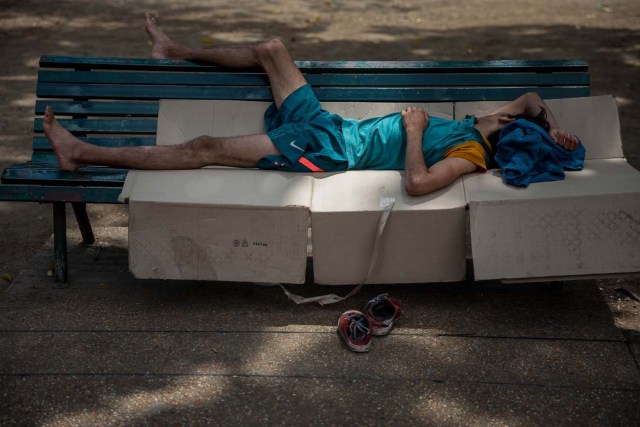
x,y
423,241
194,224
585,225
218,224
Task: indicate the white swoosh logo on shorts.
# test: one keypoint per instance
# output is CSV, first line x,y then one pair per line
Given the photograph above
x,y
293,144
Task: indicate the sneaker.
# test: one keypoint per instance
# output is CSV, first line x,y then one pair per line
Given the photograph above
x,y
355,330
382,312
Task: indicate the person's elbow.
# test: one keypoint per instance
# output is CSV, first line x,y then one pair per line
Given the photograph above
x,y
412,188
420,185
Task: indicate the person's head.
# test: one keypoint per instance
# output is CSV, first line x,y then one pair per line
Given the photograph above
x,y
502,119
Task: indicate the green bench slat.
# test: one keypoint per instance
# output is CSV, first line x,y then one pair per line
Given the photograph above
x,y
47,193
104,125
362,67
155,78
447,94
41,143
50,175
133,109
136,92
43,157
369,94
317,80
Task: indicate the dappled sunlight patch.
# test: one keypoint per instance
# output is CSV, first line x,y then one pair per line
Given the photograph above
x,y
533,50
623,102
26,101
232,36
300,328
534,31
33,62
630,59
68,43
20,78
22,21
11,154
188,392
441,408
423,52
279,353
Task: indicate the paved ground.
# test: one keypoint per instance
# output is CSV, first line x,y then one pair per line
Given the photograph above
x,y
112,350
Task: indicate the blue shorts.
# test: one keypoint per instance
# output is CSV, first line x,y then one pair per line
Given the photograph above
x,y
309,138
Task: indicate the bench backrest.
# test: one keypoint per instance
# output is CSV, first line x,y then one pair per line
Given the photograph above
x,y
114,101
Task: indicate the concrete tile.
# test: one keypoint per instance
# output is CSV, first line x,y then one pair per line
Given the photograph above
x,y
253,400
104,296
320,354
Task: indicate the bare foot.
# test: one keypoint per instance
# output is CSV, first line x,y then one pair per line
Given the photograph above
x,y
63,142
162,44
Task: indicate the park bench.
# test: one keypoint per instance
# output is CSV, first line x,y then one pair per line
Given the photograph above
x,y
115,102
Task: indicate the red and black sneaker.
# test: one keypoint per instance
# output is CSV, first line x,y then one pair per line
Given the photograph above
x,y
355,330
382,312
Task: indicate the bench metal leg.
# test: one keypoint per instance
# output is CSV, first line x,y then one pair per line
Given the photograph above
x,y
80,209
60,241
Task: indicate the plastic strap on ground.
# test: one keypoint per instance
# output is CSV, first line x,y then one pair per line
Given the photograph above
x,y
386,205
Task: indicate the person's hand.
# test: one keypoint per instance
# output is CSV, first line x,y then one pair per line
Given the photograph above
x,y
564,139
415,118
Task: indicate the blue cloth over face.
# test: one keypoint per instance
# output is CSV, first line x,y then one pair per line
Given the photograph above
x,y
526,153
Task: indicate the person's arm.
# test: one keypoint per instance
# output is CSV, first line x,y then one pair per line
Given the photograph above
x,y
420,180
530,103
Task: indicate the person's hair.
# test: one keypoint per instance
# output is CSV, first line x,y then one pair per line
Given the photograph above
x,y
540,119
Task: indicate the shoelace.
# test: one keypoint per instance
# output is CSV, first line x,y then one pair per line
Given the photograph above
x,y
358,326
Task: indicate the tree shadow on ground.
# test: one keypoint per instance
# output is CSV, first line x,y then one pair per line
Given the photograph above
x,y
187,375
145,351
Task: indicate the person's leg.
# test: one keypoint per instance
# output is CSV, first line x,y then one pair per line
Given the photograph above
x,y
242,152
272,56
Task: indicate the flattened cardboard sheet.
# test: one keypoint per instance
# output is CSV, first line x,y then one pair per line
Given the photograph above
x,y
424,238
559,237
219,224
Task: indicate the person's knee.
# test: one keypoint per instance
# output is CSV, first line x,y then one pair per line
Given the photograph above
x,y
201,147
532,97
271,50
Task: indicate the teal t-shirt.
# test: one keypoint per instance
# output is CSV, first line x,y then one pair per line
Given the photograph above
x,y
381,143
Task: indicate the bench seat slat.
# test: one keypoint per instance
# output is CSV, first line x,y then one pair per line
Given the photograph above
x,y
317,80
362,67
54,166
370,94
49,175
59,193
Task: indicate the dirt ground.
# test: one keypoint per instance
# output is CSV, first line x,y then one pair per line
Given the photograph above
x,y
606,34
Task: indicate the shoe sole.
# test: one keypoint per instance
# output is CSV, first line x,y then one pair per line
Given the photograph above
x,y
384,331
